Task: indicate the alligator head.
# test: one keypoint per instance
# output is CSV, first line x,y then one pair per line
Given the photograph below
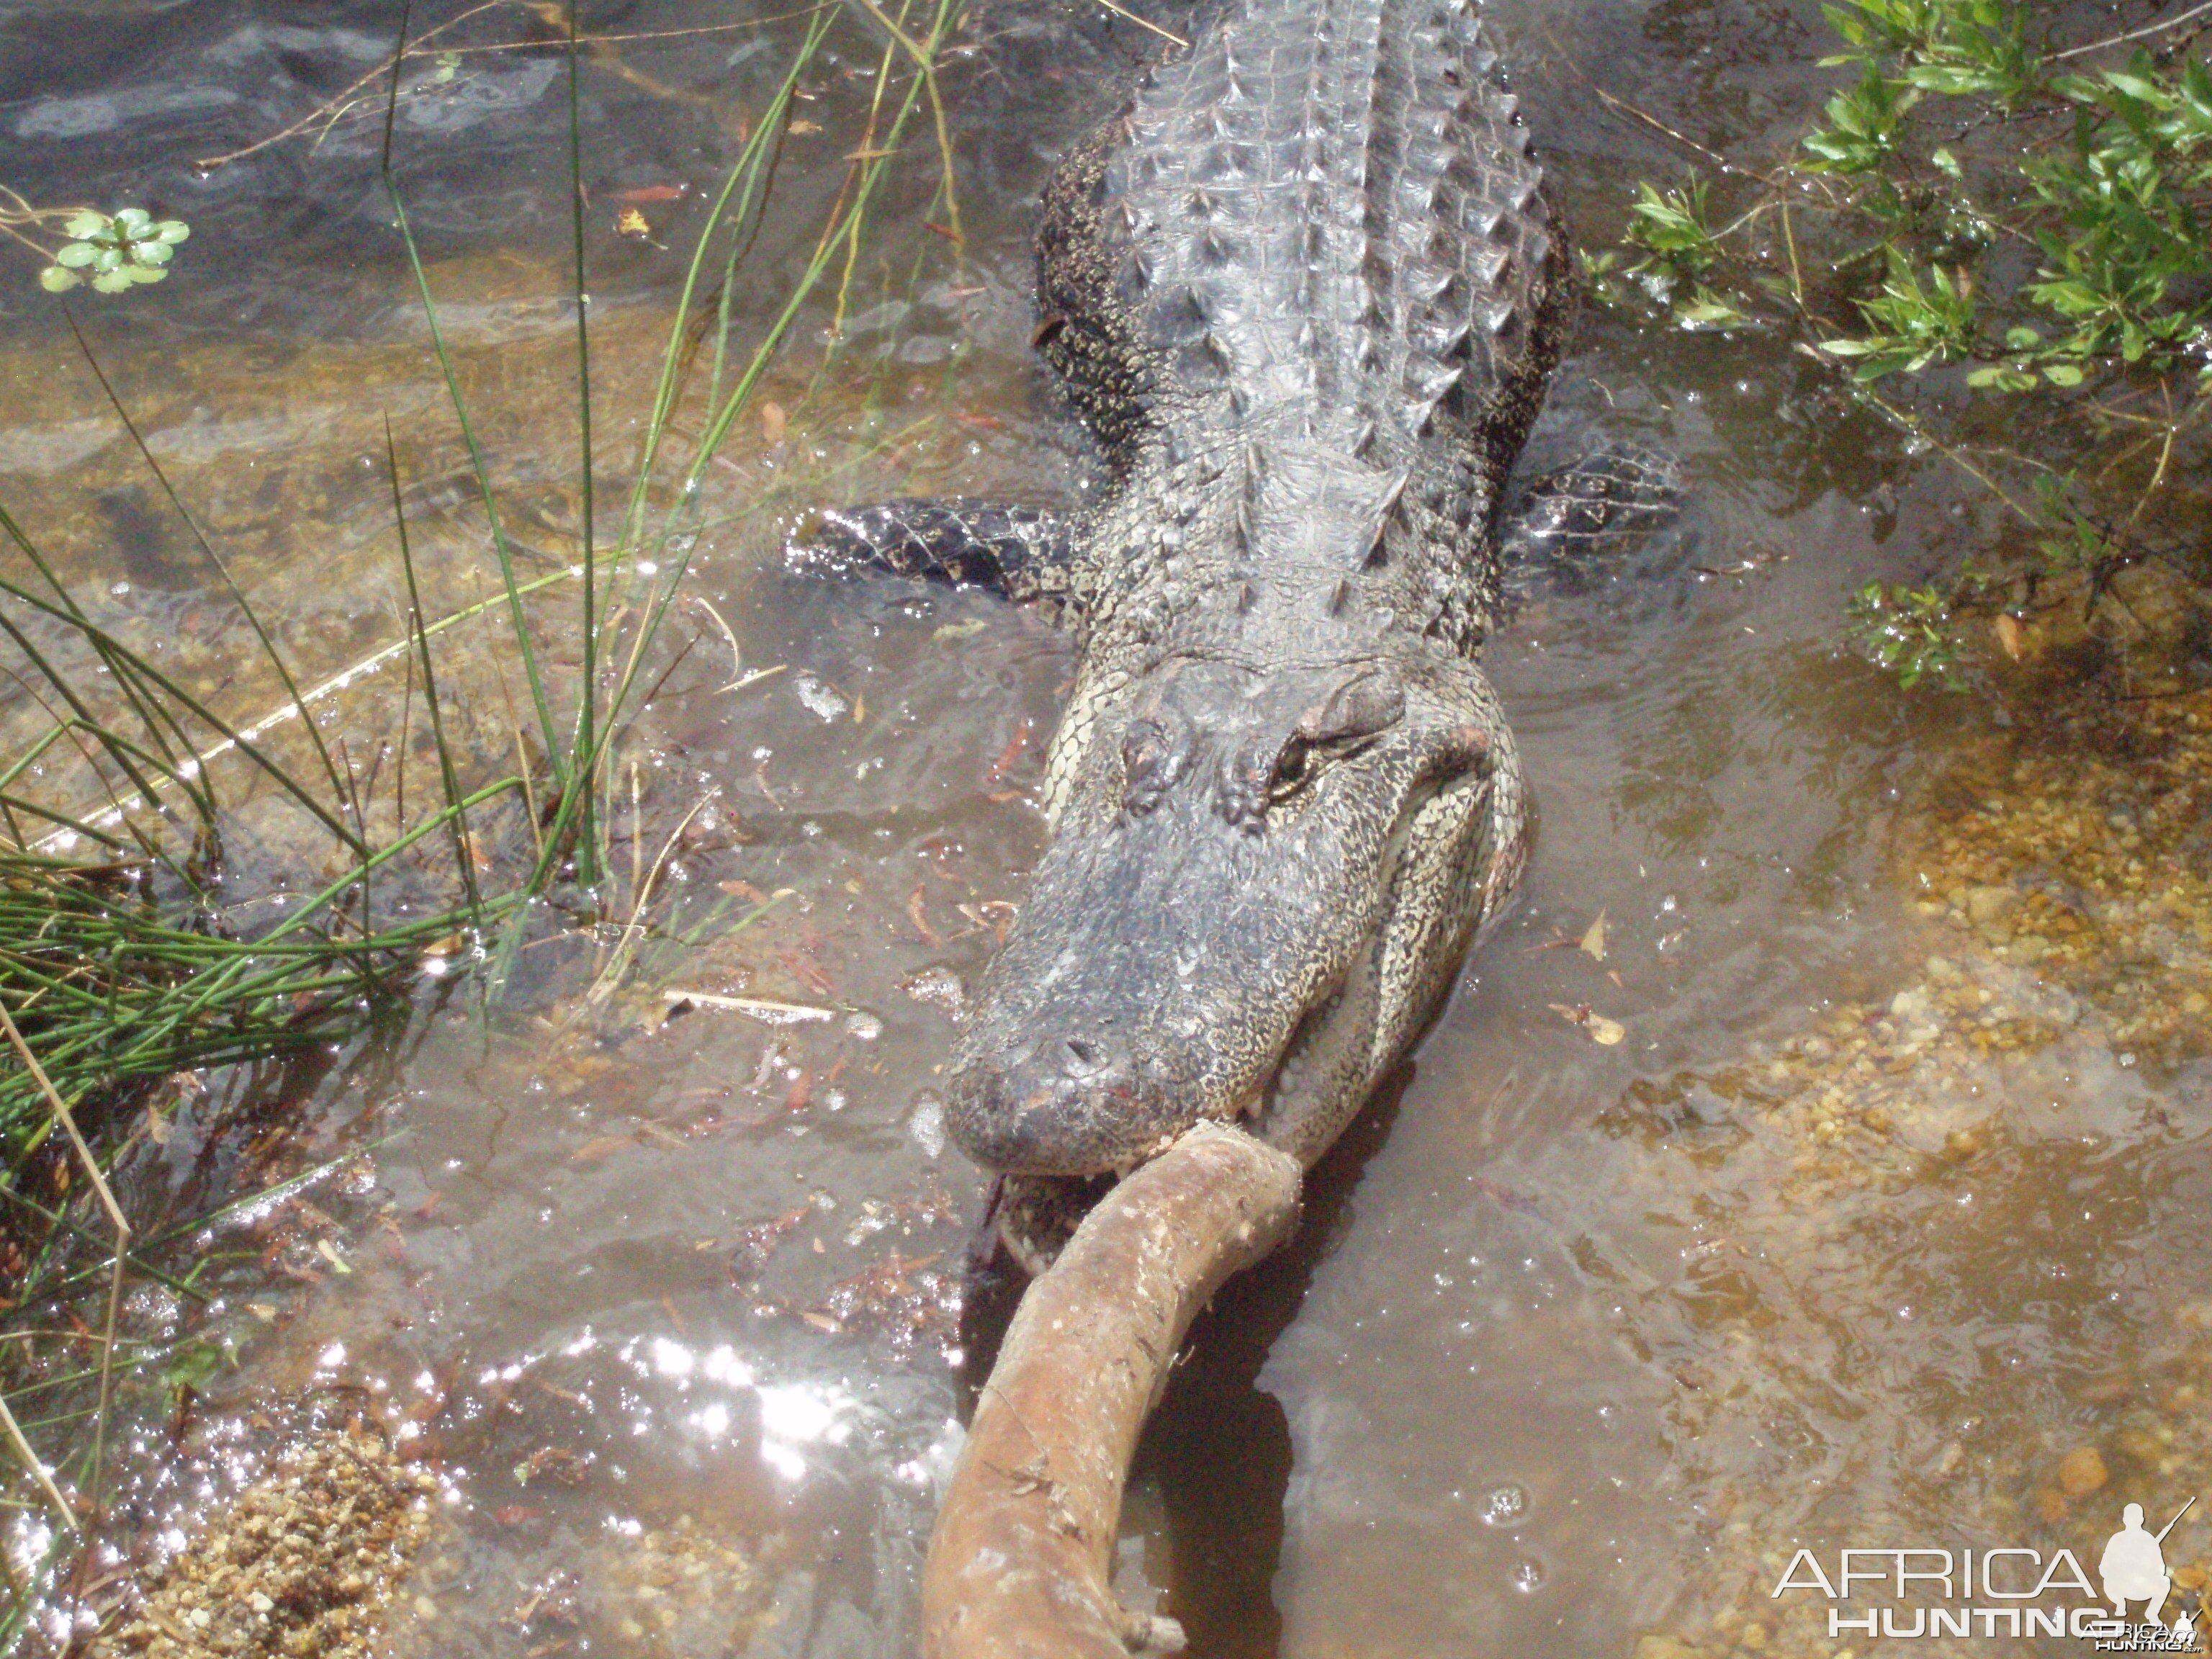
x,y
1261,884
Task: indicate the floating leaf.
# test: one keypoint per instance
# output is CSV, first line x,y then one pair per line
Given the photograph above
x,y
172,230
1601,1030
133,221
55,280
2009,634
631,222
1592,944
112,281
77,253
85,224
152,253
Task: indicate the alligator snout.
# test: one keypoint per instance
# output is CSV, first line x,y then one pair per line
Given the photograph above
x,y
1060,1105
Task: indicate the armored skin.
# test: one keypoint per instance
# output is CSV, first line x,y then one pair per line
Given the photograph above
x,y
1305,288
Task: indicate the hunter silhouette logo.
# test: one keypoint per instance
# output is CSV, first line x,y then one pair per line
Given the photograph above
x,y
2133,1566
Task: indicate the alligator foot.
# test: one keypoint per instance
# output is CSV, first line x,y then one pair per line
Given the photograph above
x,y
1023,552
1599,507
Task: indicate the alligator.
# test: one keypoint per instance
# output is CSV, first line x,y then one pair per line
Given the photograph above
x,y
1306,289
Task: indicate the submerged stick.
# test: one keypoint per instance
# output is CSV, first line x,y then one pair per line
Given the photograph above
x,y
1021,1557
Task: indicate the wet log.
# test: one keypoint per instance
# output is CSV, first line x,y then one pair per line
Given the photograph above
x,y
1021,1559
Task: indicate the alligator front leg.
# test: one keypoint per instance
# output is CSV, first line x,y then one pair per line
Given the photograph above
x,y
1024,553
1599,507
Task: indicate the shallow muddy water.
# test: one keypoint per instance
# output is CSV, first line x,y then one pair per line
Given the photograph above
x,y
1839,1245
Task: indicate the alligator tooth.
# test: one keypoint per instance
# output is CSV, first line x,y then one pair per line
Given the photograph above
x,y
1246,595
1341,598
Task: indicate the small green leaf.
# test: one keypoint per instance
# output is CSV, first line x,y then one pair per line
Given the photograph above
x,y
134,220
77,253
143,273
2062,374
85,224
1986,376
112,281
108,258
2023,339
152,253
172,230
1948,164
55,280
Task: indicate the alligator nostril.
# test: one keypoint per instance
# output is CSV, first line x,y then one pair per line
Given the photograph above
x,y
1085,1055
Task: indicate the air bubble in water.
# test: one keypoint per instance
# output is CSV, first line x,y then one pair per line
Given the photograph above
x,y
1505,1506
1528,1577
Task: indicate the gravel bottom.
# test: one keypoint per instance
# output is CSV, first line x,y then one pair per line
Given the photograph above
x,y
302,1563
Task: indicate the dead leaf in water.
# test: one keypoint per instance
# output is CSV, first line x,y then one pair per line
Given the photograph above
x,y
1601,1030
631,222
2009,634
772,421
920,917
1593,944
601,1146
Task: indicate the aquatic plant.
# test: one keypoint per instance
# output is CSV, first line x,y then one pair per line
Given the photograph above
x,y
1982,209
114,254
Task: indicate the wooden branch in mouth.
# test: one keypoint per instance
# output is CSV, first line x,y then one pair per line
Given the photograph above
x,y
1021,1559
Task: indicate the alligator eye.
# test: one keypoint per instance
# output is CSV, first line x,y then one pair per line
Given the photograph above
x,y
1294,768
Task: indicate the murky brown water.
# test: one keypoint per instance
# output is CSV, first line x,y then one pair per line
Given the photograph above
x,y
1579,1343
